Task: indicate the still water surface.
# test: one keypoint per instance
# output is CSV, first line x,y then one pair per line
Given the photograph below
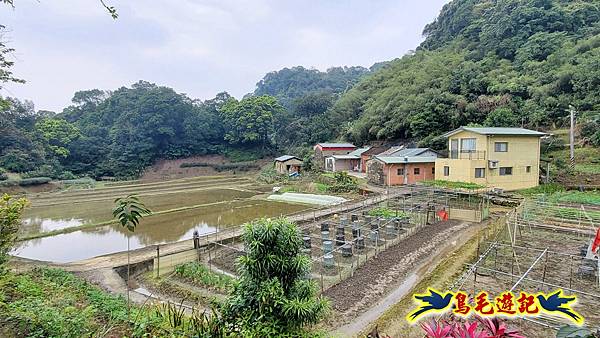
x,y
155,229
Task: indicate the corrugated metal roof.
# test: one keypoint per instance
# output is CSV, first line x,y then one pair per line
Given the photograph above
x,y
496,131
352,155
359,151
391,150
285,158
409,152
408,159
336,145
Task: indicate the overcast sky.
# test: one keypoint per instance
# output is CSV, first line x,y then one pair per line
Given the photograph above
x,y
198,47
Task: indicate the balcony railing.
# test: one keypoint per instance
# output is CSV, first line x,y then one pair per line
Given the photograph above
x,y
468,154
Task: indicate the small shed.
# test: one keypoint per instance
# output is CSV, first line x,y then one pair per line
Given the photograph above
x,y
323,150
288,164
393,170
348,162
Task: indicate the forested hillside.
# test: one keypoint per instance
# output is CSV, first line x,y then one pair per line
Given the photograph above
x,y
495,63
120,133
290,84
500,63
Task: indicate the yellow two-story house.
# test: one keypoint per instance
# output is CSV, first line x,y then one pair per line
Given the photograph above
x,y
505,158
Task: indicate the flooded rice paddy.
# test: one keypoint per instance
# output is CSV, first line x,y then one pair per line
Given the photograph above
x,y
211,205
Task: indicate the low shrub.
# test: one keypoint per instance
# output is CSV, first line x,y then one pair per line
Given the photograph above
x,y
269,175
34,181
9,183
194,164
198,273
549,188
242,166
453,185
79,181
48,302
578,197
243,155
342,182
387,213
66,175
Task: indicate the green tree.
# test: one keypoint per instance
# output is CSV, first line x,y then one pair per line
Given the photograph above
x,y
10,220
58,133
502,117
274,296
252,120
129,211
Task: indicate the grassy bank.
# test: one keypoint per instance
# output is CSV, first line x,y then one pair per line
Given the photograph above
x,y
54,303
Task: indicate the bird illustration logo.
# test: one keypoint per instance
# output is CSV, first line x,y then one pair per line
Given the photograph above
x,y
435,301
555,302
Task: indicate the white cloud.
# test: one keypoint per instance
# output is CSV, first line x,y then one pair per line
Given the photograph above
x,y
199,47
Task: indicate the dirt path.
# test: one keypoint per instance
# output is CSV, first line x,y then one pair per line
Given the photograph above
x,y
381,282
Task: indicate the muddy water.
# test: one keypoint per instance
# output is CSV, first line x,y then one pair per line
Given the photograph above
x,y
62,215
153,230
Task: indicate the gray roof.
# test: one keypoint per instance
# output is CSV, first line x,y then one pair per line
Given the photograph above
x,y
359,151
286,158
408,159
496,131
336,145
391,150
409,152
353,155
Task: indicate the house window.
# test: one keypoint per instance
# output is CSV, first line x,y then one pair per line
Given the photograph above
x,y
528,169
417,171
446,171
400,171
505,171
467,145
479,172
501,147
432,170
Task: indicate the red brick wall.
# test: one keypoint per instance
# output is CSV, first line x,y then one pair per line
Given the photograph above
x,y
425,173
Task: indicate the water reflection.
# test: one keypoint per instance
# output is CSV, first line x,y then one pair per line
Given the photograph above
x,y
63,215
153,230
81,245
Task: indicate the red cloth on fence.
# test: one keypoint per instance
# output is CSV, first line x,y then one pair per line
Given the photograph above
x,y
443,215
596,243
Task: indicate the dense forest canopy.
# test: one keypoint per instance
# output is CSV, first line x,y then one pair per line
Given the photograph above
x,y
494,63
290,84
500,63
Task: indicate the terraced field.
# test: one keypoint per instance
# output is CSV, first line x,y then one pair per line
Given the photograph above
x,y
74,225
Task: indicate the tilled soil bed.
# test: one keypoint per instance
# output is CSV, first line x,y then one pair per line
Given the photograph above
x,y
383,273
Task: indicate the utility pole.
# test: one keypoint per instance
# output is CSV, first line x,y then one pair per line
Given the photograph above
x,y
572,136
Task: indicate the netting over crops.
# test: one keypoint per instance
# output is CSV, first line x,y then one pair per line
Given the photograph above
x,y
307,198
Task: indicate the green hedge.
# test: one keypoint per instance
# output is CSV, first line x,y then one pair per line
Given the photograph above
x,y
242,166
194,164
34,181
25,182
